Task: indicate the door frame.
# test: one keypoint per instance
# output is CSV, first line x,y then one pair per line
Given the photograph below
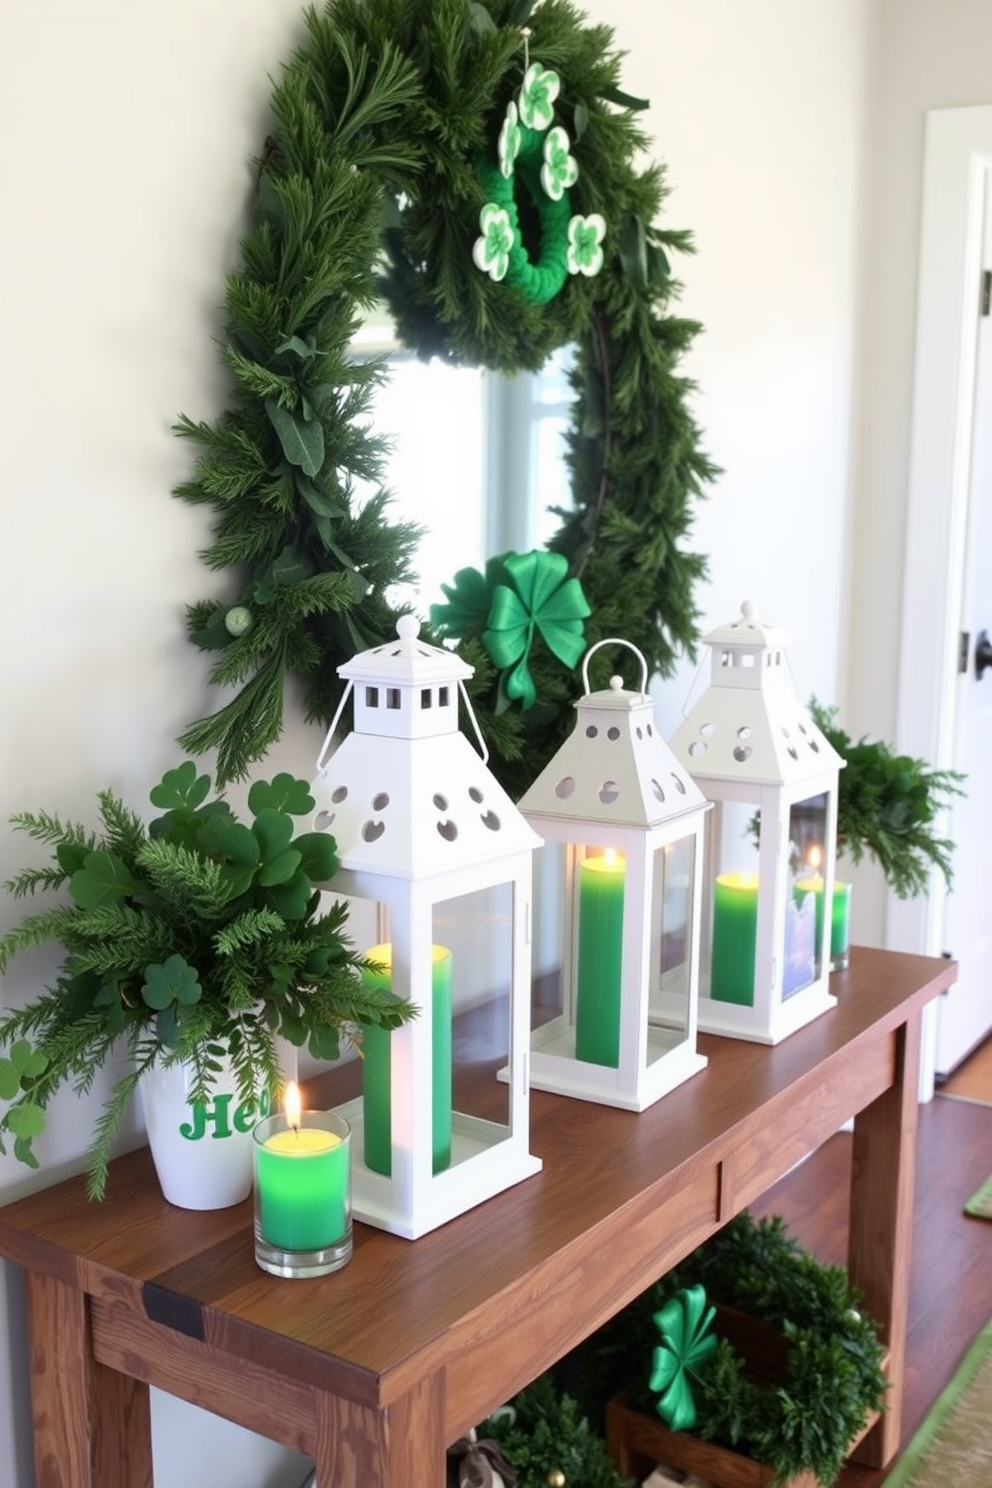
x,y
957,155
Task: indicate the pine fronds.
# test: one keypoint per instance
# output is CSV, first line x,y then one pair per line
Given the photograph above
x,y
382,114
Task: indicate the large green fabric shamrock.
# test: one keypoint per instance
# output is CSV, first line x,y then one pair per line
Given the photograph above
x,y
539,596
687,1341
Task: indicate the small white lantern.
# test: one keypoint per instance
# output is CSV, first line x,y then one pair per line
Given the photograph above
x,y
623,828
755,750
428,837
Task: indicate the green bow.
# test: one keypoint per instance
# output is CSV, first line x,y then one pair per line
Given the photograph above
x,y
518,594
687,1341
540,596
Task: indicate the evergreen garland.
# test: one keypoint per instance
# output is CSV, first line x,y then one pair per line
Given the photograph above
x,y
835,1376
369,187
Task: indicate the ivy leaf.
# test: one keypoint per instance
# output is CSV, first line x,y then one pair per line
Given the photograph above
x,y
279,869
634,251
70,856
30,1063
624,100
318,855
284,793
10,1079
480,22
103,879
324,1043
304,350
291,899
181,787
302,440
24,1154
171,981
26,1120
213,635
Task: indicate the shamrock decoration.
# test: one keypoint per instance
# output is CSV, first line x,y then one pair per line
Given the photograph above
x,y
541,597
510,138
559,170
518,594
538,92
687,1342
491,252
585,235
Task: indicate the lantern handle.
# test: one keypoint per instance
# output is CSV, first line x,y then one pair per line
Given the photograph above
x,y
325,747
615,641
483,750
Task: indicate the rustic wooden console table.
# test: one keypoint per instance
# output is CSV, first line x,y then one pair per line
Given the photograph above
x,y
373,1370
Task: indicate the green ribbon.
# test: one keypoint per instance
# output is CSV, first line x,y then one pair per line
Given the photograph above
x,y
540,597
687,1341
519,594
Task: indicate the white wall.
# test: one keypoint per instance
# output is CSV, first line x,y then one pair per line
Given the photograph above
x,y
128,131
925,54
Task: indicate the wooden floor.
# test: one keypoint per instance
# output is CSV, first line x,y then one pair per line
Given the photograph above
x,y
951,1284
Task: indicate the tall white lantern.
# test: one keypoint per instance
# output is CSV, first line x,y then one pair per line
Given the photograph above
x,y
428,838
754,749
617,941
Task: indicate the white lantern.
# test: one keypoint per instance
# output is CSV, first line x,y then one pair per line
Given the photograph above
x,y
618,934
755,751
428,838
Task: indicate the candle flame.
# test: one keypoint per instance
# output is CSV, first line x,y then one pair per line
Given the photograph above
x,y
814,857
293,1105
610,857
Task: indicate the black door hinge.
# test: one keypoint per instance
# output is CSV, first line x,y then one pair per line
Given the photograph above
x,y
986,291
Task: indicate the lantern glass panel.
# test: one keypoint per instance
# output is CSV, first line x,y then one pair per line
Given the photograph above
x,y
477,930
672,912
804,911
549,990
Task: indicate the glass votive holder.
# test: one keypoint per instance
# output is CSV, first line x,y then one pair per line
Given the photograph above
x,y
302,1194
840,929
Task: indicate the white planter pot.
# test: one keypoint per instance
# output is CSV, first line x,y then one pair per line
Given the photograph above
x,y
202,1154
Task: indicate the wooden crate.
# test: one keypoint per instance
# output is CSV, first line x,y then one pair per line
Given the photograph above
x,y
637,1443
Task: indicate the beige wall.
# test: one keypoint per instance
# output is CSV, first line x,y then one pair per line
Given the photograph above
x,y
128,131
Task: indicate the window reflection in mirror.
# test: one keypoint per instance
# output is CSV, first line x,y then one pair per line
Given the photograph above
x,y
476,460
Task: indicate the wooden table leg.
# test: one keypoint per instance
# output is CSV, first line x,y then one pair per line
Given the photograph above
x,y
92,1426
402,1446
883,1172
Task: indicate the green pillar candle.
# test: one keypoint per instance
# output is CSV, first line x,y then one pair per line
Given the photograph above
x,y
376,1065
302,1184
597,986
735,938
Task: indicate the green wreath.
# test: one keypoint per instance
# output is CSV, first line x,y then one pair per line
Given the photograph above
x,y
369,188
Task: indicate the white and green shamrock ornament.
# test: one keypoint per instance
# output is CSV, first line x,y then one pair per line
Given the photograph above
x,y
536,150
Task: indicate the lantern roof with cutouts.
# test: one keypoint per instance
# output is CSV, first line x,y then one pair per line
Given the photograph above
x,y
405,794
614,769
750,724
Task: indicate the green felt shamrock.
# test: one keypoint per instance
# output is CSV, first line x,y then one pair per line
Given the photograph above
x,y
469,600
687,1341
539,596
510,139
559,170
491,252
585,236
538,92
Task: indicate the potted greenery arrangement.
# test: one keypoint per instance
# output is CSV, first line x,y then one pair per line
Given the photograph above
x,y
195,942
888,805
746,1392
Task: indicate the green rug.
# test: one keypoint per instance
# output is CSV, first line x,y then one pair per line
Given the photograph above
x,y
953,1447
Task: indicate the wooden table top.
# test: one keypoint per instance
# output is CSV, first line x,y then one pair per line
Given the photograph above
x,y
554,1255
